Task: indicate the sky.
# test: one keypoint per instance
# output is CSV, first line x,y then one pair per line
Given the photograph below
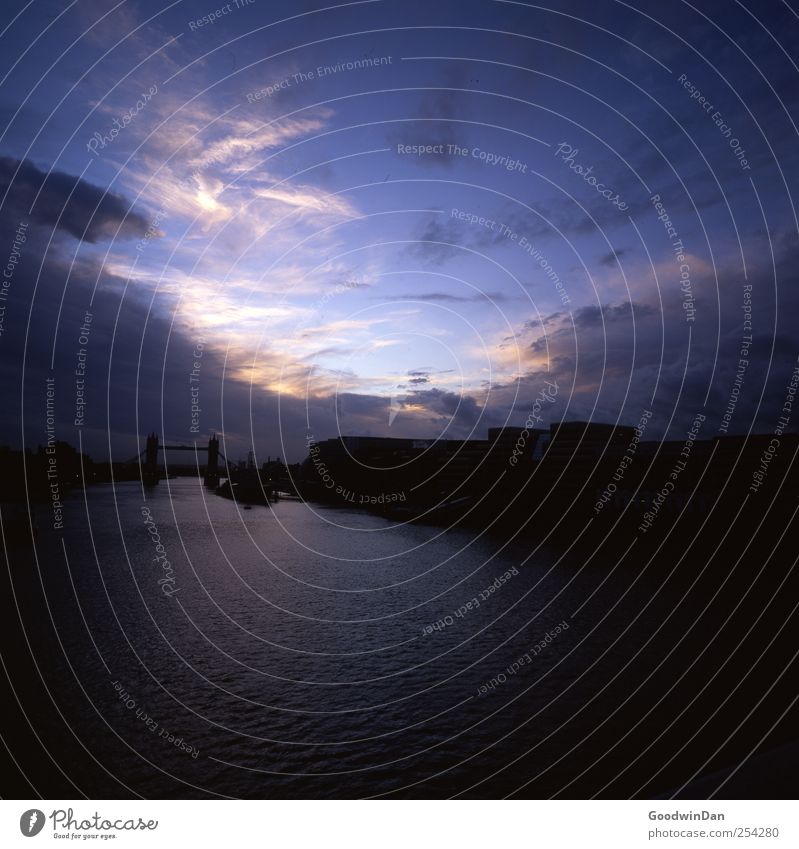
x,y
288,221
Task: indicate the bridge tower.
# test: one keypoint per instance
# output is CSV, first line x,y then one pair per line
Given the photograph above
x,y
212,468
150,474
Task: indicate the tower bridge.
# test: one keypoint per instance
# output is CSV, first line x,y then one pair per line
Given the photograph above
x,y
151,473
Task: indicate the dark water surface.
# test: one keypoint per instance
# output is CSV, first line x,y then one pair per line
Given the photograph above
x,y
297,656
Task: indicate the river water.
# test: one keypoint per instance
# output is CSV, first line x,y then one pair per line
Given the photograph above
x,y
314,651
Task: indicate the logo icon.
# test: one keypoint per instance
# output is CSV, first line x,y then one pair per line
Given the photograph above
x,y
31,822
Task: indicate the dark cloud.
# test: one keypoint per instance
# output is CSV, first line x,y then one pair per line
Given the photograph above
x,y
437,118
137,362
437,241
458,411
67,203
610,259
446,297
614,360
596,316
440,239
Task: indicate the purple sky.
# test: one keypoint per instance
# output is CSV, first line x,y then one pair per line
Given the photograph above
x,y
395,218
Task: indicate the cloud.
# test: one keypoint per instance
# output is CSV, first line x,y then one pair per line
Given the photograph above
x,y
240,138
446,297
440,403
595,316
307,199
437,119
615,359
610,259
68,203
420,413
423,376
440,239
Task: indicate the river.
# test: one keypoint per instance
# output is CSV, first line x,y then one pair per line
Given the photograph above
x,y
299,650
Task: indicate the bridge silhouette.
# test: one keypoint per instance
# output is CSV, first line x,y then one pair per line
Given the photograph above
x,y
151,473
245,483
